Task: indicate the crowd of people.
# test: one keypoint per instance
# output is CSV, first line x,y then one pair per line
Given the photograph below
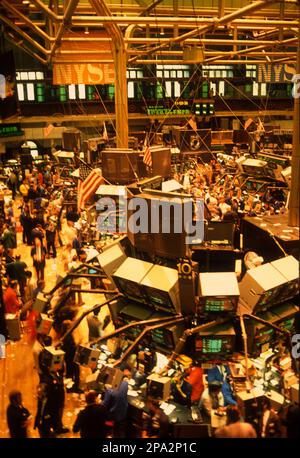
x,y
221,185
37,206
36,210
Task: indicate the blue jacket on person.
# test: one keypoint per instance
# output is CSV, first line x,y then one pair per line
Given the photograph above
x,y
116,403
215,374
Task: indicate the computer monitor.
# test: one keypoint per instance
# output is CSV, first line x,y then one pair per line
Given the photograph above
x,y
218,291
259,288
215,341
132,290
92,271
52,359
219,233
284,315
191,140
289,268
225,304
259,335
254,167
87,356
165,339
66,281
128,277
131,313
162,288
120,166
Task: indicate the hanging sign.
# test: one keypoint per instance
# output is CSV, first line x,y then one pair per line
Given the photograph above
x,y
84,62
276,73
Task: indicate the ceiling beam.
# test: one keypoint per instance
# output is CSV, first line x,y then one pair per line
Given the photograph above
x,y
251,50
150,7
23,34
216,23
216,54
157,21
205,41
41,7
168,10
167,61
120,65
66,22
26,20
20,44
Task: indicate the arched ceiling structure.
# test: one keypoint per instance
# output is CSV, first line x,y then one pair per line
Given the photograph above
x,y
228,31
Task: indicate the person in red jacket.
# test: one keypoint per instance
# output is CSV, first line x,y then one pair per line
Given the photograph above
x,y
10,298
195,379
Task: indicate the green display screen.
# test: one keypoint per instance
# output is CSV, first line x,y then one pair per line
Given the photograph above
x,y
161,110
212,345
218,305
10,130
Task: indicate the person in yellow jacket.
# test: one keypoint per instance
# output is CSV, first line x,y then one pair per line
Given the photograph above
x,y
24,188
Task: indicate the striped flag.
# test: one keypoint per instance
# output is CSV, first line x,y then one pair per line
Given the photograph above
x,y
147,159
88,187
248,123
84,170
104,134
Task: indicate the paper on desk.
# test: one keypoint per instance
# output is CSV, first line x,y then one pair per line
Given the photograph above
x,y
133,393
167,408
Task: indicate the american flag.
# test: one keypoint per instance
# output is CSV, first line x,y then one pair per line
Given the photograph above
x,y
84,170
88,186
147,159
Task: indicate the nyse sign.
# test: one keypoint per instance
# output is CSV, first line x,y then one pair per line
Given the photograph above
x,y
277,73
83,73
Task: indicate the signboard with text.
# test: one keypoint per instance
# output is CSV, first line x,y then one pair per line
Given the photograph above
x,y
275,73
84,62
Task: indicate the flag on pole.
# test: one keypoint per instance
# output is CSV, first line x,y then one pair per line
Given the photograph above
x,y
147,159
192,123
88,186
48,130
105,134
248,123
260,127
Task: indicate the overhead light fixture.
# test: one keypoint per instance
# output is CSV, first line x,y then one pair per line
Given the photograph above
x,y
162,32
25,2
86,30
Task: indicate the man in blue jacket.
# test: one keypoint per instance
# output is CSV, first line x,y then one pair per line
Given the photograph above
x,y
221,373
116,403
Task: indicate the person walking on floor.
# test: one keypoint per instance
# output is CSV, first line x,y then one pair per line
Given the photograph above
x,y
18,417
16,271
90,421
38,254
27,225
